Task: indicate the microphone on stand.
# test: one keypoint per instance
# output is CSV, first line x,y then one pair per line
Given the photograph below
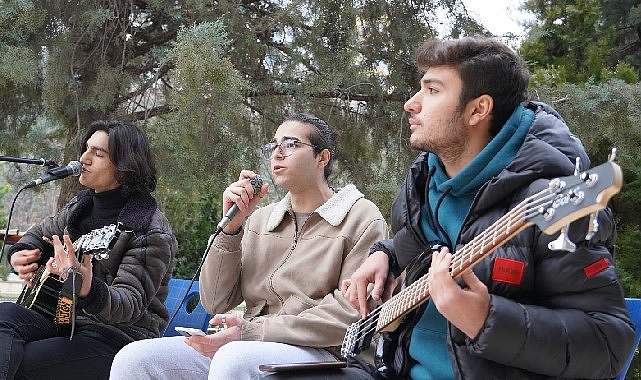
x,y
73,168
257,183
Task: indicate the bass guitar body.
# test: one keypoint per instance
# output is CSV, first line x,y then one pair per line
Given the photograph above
x,y
393,358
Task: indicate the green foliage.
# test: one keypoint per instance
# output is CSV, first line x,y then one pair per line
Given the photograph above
x,y
4,272
568,42
22,74
20,24
193,231
211,82
193,144
626,73
583,41
549,76
628,260
206,80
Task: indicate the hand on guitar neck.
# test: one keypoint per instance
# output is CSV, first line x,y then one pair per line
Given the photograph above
x,y
467,307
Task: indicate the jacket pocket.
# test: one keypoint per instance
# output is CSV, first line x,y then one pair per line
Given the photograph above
x,y
294,306
255,310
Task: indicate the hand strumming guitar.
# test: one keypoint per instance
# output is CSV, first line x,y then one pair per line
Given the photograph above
x,y
374,270
25,264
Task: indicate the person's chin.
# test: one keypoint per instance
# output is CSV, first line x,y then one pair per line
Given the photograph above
x,y
82,180
415,143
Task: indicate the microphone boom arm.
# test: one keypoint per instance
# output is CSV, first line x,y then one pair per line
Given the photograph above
x,y
30,161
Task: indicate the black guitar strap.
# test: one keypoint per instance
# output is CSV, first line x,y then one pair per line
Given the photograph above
x,y
395,345
66,308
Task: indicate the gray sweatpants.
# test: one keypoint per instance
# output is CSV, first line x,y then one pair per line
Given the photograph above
x,y
171,358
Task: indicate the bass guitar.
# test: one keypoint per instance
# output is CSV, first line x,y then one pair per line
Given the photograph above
x,y
564,200
44,294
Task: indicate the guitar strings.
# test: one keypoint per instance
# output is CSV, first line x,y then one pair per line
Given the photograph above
x,y
527,208
503,226
96,243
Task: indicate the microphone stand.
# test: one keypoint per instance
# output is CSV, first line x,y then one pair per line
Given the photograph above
x,y
31,161
256,183
6,231
219,229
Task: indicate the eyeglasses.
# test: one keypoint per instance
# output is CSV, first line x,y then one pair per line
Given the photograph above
x,y
287,147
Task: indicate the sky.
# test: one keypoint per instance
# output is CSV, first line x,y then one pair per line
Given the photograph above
x,y
498,16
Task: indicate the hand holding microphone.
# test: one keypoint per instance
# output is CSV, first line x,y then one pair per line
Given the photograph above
x,y
243,195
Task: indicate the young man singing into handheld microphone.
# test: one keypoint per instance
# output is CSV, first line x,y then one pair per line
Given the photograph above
x,y
286,264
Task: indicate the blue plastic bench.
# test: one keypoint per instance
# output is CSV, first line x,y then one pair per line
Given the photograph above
x,y
187,316
634,306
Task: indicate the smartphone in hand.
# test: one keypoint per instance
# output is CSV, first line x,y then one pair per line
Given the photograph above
x,y
189,331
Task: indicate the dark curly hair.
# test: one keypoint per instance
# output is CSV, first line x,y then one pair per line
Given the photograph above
x,y
322,138
129,151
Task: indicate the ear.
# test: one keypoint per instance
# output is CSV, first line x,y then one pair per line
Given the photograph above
x,y
324,157
480,110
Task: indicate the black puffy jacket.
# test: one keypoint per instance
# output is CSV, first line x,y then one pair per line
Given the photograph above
x,y
561,319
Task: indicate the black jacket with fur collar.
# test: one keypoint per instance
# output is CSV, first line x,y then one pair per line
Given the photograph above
x,y
129,288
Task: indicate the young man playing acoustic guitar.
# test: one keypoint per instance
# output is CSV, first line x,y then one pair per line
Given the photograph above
x,y
120,297
525,311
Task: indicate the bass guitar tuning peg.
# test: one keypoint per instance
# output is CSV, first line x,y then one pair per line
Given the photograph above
x,y
562,243
593,226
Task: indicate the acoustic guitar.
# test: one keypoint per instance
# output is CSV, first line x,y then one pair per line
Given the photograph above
x,y
44,294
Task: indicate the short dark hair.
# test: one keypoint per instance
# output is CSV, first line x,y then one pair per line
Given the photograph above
x,y
129,151
322,138
486,66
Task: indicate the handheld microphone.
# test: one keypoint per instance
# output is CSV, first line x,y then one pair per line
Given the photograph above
x,y
257,183
73,168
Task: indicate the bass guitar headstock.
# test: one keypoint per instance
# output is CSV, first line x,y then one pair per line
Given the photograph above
x,y
572,197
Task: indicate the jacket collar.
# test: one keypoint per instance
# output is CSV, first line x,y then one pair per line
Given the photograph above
x,y
333,211
135,215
